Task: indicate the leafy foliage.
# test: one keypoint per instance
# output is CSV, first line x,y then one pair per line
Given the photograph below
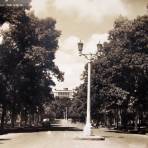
x,y
27,65
119,76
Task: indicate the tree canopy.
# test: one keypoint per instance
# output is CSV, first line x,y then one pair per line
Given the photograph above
x,y
27,65
119,76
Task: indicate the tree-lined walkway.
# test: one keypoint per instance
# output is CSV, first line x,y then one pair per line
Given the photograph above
x,y
69,139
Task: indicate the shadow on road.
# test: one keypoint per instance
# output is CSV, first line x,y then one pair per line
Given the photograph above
x,y
4,139
54,128
128,131
55,125
38,129
1,140
120,137
115,131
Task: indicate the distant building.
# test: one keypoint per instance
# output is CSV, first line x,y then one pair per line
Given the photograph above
x,y
65,93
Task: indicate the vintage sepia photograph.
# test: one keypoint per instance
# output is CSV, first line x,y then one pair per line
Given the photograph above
x,y
73,73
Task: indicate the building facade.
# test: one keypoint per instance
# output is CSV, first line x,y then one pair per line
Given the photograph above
x,y
64,93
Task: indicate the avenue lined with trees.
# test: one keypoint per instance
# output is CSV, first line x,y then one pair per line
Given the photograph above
x,y
119,81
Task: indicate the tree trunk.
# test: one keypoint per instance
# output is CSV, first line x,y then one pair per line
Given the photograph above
x,y
136,122
30,119
37,122
13,116
117,117
21,119
26,117
3,116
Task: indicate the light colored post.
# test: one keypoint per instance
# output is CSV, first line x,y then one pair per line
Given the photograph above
x,y
87,128
90,57
66,114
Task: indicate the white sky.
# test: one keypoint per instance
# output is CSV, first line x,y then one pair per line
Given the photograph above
x,y
4,27
88,20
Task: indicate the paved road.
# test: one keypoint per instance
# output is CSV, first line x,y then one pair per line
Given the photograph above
x,y
70,139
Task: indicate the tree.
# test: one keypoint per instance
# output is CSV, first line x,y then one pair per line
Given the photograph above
x,y
119,76
27,61
128,43
78,106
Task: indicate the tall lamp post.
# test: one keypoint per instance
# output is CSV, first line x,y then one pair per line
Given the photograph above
x,y
90,57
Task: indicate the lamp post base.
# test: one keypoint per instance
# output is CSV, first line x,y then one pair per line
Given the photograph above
x,y
92,137
87,131
87,134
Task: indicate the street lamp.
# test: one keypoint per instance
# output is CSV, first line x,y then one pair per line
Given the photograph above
x,y
90,57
